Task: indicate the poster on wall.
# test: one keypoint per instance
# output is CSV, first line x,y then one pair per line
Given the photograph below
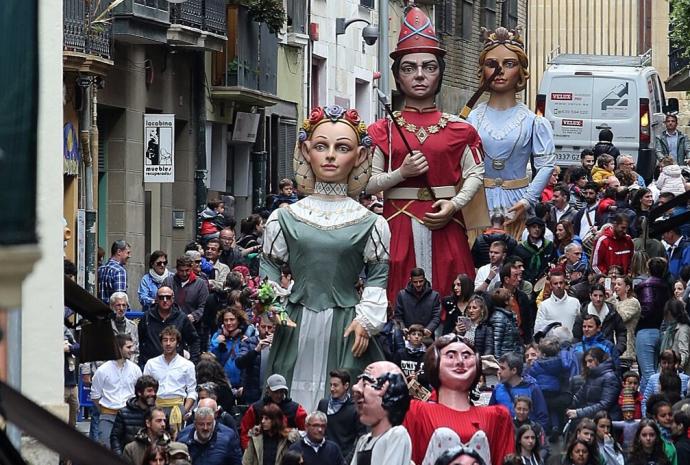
x,y
159,148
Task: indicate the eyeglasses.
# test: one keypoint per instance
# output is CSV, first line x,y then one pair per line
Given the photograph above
x,y
161,263
165,297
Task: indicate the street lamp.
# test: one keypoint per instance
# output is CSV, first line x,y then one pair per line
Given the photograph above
x,y
369,33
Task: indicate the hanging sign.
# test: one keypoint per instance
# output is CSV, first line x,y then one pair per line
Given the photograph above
x,y
159,148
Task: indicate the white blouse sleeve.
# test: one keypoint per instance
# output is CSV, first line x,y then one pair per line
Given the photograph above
x,y
544,153
382,180
371,309
395,448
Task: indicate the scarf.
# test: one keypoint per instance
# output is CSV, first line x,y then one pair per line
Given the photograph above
x,y
535,260
414,350
158,278
334,405
667,338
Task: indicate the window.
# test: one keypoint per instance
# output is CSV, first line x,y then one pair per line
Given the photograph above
x,y
509,14
464,11
488,17
367,3
444,16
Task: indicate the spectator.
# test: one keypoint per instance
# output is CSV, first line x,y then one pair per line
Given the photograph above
x,y
580,452
593,337
475,327
600,390
641,203
628,308
131,418
162,314
681,435
587,161
576,263
119,303
559,306
653,293
609,449
626,170
177,378
227,342
612,327
579,177
251,230
528,445
152,434
276,393
269,441
504,323
672,142
676,335
230,253
668,361
411,358
151,281
292,457
587,220
614,247
112,276
287,194
523,408
561,209
190,292
315,448
156,455
208,397
513,384
603,170
419,304
605,145
211,220
208,370
661,412
677,251
343,422
71,395
480,248
488,275
536,251
564,235
547,193
255,360
648,446
209,442
113,384
455,305
670,179
220,270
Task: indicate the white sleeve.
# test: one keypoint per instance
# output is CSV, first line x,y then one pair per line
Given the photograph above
x,y
97,385
371,311
190,382
472,175
274,245
482,274
382,180
394,449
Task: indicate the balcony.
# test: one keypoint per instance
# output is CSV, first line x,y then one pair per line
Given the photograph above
x,y
86,42
679,71
246,69
198,24
141,21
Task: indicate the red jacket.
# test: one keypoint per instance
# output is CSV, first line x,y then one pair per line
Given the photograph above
x,y
610,250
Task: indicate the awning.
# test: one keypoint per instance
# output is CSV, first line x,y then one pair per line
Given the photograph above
x,y
244,95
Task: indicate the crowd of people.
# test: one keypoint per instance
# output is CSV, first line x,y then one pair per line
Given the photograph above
x,y
330,330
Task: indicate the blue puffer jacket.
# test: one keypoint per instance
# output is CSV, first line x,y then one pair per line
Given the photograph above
x,y
505,395
549,371
600,342
222,449
226,353
250,364
600,392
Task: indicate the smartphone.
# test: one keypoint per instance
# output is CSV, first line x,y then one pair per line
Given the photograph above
x,y
607,283
465,321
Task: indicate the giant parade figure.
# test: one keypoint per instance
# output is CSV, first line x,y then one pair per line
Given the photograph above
x,y
510,132
425,188
326,239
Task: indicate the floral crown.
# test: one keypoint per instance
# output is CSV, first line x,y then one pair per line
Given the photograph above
x,y
334,114
502,36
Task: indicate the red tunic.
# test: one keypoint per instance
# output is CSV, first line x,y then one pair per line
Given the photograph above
x,y
424,418
444,152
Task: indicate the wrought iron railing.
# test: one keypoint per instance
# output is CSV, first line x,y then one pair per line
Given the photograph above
x,y
81,34
207,15
676,61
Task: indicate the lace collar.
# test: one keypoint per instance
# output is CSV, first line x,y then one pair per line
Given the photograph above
x,y
326,188
519,113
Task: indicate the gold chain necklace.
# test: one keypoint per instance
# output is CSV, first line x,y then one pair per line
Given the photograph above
x,y
421,132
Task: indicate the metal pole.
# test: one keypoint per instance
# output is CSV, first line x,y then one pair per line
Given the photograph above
x,y
384,82
199,94
14,364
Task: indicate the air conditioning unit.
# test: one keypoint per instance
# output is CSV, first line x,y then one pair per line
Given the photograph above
x,y
296,39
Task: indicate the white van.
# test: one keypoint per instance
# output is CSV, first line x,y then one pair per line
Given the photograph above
x,y
582,94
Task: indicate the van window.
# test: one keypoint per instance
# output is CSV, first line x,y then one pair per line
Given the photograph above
x,y
662,96
654,91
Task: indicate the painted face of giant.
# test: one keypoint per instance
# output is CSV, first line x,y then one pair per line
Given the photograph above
x,y
419,75
333,151
458,366
509,62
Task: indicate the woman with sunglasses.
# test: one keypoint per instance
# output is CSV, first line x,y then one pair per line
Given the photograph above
x,y
453,368
511,134
151,281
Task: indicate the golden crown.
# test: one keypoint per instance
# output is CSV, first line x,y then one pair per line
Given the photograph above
x,y
502,36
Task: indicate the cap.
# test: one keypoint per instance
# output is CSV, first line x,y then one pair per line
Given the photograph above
x,y
276,383
417,35
178,450
535,220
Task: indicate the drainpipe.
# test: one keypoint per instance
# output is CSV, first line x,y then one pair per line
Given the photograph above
x,y
199,95
383,83
91,214
259,161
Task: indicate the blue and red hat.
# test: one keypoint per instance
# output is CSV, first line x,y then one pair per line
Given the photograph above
x,y
417,35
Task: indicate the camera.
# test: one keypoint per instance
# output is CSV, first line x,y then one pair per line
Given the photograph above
x,y
370,34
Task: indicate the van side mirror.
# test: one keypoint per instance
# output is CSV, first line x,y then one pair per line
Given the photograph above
x,y
671,106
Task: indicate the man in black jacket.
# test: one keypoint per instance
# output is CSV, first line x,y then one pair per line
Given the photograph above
x,y
612,326
480,248
343,422
314,447
164,313
419,304
253,364
130,419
